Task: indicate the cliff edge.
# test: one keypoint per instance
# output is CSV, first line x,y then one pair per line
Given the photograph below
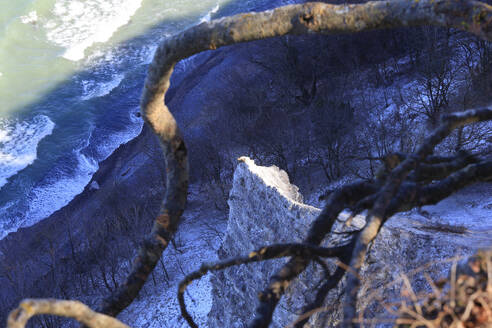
x,y
265,209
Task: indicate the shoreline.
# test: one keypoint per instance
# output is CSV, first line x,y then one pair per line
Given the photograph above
x,y
106,178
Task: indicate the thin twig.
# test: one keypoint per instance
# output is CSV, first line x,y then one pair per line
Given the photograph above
x,y
262,254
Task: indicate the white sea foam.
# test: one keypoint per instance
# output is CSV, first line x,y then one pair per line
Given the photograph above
x,y
93,89
30,18
148,55
61,188
79,24
18,143
45,200
51,197
113,141
101,57
207,17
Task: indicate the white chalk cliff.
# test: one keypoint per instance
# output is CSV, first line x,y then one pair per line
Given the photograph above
x,y
265,209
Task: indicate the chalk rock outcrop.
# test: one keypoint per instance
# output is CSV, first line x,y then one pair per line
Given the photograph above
x,y
265,209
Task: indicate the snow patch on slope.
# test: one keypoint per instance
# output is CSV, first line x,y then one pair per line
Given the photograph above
x,y
197,240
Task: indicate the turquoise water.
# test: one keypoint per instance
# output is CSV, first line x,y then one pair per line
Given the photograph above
x,y
42,42
71,72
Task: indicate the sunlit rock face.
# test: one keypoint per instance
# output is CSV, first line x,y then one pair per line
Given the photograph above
x,y
265,209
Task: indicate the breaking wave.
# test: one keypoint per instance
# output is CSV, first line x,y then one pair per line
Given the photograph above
x,y
79,24
18,143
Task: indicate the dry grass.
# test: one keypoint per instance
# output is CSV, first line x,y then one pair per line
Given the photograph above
x,y
462,301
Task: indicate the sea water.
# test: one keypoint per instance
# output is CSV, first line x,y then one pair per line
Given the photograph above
x,y
71,73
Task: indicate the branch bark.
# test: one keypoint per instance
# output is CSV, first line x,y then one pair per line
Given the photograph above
x,y
337,202
379,213
472,16
28,308
262,254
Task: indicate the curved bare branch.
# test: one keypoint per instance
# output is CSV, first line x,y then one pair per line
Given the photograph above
x,y
28,308
472,16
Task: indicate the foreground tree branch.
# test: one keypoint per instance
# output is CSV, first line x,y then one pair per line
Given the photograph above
x,y
330,283
337,202
472,16
265,253
399,191
379,213
406,193
28,308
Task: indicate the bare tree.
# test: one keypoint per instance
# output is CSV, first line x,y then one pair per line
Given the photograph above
x,y
437,74
333,137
